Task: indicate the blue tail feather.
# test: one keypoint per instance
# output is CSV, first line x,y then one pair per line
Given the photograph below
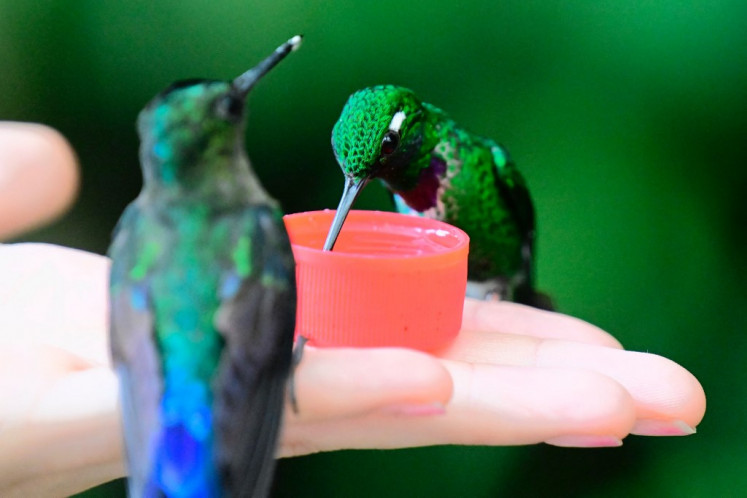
x,y
185,466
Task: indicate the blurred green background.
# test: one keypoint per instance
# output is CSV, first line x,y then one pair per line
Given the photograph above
x,y
627,118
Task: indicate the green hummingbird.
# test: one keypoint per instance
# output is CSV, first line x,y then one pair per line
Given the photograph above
x,y
202,300
435,168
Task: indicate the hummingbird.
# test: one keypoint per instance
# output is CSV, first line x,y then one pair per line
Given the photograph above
x,y
202,300
434,167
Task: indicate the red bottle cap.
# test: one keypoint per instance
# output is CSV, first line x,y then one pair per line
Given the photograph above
x,y
391,280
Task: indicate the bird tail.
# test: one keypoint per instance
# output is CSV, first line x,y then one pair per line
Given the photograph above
x,y
532,297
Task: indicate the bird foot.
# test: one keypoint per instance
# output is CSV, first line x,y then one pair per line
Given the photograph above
x,y
295,360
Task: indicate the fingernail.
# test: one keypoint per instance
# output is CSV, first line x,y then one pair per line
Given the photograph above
x,y
653,427
416,410
578,441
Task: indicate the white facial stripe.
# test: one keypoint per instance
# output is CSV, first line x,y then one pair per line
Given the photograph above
x,y
397,120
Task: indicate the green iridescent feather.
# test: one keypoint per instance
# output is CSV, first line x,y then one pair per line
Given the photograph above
x,y
202,300
440,170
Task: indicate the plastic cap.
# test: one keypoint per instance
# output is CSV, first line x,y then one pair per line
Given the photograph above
x,y
391,280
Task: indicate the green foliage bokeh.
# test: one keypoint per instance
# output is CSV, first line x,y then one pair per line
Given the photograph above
x,y
627,118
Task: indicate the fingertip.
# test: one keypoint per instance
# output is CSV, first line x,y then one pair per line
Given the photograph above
x,y
678,396
425,379
696,408
39,176
604,405
69,170
661,388
342,382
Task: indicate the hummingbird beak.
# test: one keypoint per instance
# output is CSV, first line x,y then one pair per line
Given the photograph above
x,y
246,81
353,187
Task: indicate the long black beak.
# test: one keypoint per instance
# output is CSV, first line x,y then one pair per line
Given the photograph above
x,y
246,81
353,187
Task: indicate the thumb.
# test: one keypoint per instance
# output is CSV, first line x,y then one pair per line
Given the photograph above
x,y
38,176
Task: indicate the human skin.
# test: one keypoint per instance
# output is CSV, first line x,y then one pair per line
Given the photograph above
x,y
38,176
515,375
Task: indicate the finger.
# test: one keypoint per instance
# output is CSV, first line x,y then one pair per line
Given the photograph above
x,y
513,318
669,399
38,176
56,296
492,405
341,382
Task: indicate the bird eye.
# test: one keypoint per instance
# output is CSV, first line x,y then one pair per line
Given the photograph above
x,y
230,107
389,143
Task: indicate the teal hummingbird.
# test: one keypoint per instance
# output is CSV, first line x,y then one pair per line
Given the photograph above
x,y
202,300
436,168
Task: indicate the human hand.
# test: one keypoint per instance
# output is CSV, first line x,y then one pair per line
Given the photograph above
x,y
515,375
57,424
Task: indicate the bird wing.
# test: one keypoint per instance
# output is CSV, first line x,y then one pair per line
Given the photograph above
x,y
257,322
514,190
133,350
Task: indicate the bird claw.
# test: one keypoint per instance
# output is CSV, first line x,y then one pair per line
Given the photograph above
x,y
295,360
